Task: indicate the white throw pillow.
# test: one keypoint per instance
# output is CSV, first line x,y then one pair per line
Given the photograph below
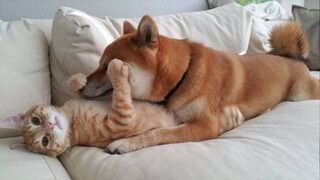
x,y
77,42
265,17
24,69
225,28
260,34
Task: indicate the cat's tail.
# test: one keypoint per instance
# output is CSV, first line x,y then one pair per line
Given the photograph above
x,y
289,40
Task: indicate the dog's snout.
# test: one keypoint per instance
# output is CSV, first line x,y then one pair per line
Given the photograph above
x,y
96,89
90,89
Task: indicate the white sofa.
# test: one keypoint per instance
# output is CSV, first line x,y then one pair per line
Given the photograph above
x,y
283,143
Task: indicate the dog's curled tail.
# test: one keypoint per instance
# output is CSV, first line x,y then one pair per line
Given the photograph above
x,y
289,40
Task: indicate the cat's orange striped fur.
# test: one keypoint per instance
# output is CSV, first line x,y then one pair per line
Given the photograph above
x,y
51,130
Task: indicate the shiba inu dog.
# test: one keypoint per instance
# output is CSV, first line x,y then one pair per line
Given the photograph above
x,y
209,91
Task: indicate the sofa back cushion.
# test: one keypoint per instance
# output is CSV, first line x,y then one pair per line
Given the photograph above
x,y
44,24
24,69
77,42
212,28
310,22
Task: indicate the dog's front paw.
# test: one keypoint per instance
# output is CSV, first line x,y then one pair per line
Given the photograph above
x,y
121,146
117,70
231,118
77,82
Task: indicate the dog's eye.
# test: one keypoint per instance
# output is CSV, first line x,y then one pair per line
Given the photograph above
x,y
45,141
105,66
35,121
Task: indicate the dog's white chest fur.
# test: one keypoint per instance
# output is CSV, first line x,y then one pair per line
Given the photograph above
x,y
140,82
188,112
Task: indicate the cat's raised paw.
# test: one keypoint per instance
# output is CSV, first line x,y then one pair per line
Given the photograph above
x,y
77,82
117,69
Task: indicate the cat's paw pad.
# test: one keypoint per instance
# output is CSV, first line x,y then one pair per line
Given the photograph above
x,y
77,82
117,69
120,146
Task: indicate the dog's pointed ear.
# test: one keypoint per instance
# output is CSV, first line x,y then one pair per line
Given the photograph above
x,y
147,34
128,28
13,122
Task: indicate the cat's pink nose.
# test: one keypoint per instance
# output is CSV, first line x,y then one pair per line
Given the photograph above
x,y
50,126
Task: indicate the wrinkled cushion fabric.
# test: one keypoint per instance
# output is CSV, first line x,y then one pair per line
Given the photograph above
x,y
265,17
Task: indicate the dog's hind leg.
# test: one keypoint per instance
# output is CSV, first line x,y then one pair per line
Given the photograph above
x,y
194,130
314,87
305,89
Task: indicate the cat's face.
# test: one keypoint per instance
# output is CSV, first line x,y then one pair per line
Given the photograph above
x,y
45,130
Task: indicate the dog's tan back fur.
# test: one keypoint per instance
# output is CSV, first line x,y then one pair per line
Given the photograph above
x,y
218,86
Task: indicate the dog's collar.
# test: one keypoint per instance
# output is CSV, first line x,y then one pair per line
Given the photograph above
x,y
173,90
301,58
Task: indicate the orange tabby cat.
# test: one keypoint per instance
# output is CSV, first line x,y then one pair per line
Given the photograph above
x,y
51,130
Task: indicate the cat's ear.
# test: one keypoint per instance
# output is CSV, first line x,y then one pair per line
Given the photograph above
x,y
21,147
13,122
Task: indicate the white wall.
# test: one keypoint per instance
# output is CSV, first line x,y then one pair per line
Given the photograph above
x,y
45,9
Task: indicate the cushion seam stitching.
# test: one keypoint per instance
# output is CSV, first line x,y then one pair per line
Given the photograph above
x,y
73,165
49,167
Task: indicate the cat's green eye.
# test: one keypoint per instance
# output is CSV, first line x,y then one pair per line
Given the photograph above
x,y
45,141
36,121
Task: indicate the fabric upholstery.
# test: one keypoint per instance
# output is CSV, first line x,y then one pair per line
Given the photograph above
x,y
77,42
18,164
280,144
24,69
206,27
310,22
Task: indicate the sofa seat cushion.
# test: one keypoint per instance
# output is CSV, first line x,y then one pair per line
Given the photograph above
x,y
280,144
18,164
